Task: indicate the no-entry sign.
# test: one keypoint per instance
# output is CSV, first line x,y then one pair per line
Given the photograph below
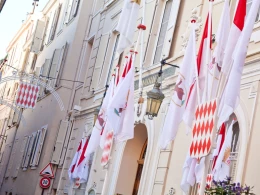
x,y
45,182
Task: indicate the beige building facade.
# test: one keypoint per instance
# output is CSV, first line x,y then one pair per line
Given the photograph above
x,y
78,39
139,166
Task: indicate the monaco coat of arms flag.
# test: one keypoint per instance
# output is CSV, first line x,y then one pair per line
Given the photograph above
x,y
179,97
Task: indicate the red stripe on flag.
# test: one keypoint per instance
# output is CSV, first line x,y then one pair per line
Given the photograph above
x,y
222,132
239,19
82,156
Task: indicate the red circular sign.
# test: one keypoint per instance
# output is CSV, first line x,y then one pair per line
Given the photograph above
x,y
45,182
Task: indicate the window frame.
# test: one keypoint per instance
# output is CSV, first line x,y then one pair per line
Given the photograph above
x,y
158,32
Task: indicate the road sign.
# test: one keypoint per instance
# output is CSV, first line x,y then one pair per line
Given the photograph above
x,y
47,171
45,182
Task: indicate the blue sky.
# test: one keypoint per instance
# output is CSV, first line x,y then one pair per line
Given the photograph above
x,y
11,18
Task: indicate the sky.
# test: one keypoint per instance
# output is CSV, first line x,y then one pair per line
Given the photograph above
x,y
11,19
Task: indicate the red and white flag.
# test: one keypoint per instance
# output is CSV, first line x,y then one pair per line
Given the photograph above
x,y
218,55
97,131
127,24
121,108
82,167
222,165
220,142
232,91
73,164
192,98
107,148
180,94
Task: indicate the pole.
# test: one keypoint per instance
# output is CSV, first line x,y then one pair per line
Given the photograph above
x,y
207,158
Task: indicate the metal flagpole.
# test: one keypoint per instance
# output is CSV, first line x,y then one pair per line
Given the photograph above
x,y
207,160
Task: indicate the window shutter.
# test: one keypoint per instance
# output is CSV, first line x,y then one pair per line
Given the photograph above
x,y
61,63
38,37
34,149
27,142
55,22
65,145
99,60
10,120
68,11
46,68
54,67
170,28
16,117
11,161
56,156
29,151
40,143
20,158
113,61
48,29
75,7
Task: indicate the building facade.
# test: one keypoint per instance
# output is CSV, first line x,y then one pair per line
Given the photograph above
x,y
45,50
139,166
76,55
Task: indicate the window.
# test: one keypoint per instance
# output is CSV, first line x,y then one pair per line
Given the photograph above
x,y
91,192
38,37
167,28
248,6
54,23
162,33
72,10
61,143
100,59
51,70
33,148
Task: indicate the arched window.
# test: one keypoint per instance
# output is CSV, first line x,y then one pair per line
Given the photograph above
x,y
91,192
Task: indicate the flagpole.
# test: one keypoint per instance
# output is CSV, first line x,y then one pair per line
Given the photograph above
x,y
207,95
196,65
207,160
142,27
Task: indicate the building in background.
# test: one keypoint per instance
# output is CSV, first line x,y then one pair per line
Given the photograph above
x,y
47,46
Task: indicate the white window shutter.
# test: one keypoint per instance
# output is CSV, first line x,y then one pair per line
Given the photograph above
x,y
40,145
11,161
170,28
99,60
54,67
38,37
20,158
27,140
29,151
55,22
65,145
16,117
68,11
75,8
61,63
10,120
46,68
34,149
56,156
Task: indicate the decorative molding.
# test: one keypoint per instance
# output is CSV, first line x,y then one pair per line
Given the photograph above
x,y
150,80
185,36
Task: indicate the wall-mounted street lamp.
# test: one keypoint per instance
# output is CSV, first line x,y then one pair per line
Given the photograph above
x,y
155,96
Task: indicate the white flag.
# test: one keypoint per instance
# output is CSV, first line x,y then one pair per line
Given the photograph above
x,y
231,94
180,94
127,23
218,55
188,176
121,108
201,71
95,137
221,169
